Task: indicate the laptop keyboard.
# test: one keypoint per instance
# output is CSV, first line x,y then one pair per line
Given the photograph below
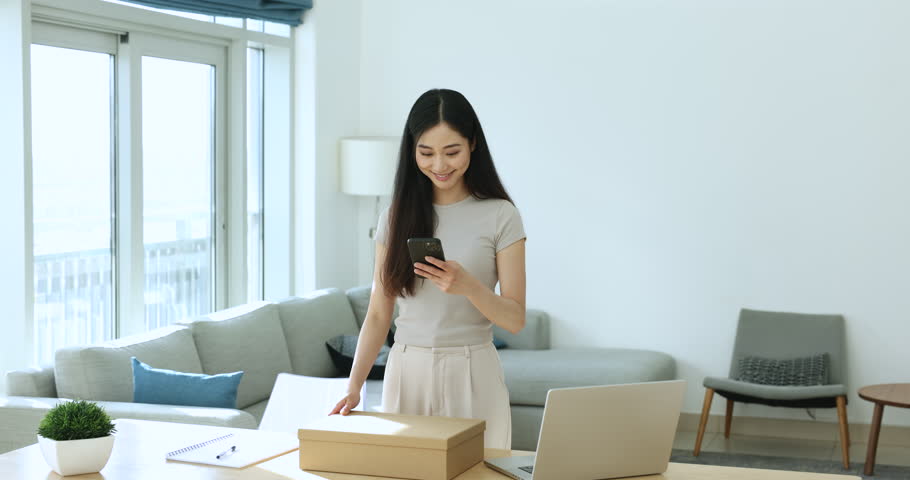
x,y
529,468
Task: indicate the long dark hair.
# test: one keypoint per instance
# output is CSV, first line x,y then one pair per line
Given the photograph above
x,y
411,213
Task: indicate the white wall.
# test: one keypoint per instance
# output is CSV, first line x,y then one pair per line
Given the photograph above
x,y
16,262
367,219
675,161
327,102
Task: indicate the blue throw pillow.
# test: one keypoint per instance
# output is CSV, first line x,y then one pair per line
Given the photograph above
x,y
167,387
499,343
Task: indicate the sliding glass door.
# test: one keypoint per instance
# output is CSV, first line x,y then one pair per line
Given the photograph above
x,y
178,153
182,99
72,163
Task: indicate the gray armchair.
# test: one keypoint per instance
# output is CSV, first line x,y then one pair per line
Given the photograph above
x,y
781,336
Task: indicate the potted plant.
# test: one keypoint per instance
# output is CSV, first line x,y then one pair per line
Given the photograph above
x,y
76,437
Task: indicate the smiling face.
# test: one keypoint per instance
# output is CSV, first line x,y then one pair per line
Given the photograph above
x,y
443,155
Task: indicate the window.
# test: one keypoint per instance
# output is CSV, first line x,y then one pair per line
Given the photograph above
x,y
85,290
254,161
178,158
130,134
72,192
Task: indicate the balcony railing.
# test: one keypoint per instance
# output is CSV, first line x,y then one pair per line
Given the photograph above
x,y
73,305
74,292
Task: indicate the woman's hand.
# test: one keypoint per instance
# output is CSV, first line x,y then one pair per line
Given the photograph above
x,y
448,276
346,404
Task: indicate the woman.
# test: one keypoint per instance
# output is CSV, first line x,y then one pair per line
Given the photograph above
x,y
443,361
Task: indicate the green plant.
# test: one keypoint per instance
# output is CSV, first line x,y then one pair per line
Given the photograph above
x,y
77,420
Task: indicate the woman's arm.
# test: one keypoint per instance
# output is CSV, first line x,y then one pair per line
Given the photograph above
x,y
375,328
507,309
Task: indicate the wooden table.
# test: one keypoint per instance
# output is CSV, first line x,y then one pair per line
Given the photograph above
x,y
139,454
894,394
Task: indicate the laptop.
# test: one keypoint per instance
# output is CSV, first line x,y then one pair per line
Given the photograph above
x,y
602,432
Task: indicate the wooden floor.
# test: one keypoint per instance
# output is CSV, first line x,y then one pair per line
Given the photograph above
x,y
789,447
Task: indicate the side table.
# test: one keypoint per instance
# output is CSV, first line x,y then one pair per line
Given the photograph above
x,y
893,394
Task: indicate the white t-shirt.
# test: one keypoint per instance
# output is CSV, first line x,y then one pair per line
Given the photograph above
x,y
472,232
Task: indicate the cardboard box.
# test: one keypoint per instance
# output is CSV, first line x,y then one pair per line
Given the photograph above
x,y
392,445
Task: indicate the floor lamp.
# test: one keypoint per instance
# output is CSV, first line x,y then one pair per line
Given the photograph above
x,y
367,168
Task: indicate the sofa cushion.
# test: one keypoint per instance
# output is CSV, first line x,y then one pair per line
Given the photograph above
x,y
360,303
309,322
342,349
21,416
534,336
774,392
104,372
257,410
31,382
168,387
247,338
531,373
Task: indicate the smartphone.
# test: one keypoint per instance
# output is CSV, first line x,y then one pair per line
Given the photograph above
x,y
420,248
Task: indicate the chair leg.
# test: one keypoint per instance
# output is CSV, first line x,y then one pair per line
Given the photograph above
x,y
709,395
729,418
844,430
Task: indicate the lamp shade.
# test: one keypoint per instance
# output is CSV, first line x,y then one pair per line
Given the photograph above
x,y
368,165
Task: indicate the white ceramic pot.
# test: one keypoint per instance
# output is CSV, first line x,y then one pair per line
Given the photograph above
x,y
75,457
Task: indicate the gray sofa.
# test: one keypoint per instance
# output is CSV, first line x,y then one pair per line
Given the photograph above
x,y
264,339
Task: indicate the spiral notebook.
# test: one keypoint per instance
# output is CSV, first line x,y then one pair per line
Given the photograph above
x,y
237,449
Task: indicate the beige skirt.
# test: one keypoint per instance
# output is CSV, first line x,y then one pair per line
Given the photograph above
x,y
463,382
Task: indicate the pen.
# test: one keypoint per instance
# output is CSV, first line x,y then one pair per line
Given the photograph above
x,y
230,450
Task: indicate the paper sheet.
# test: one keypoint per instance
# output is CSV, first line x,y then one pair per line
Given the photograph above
x,y
253,446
